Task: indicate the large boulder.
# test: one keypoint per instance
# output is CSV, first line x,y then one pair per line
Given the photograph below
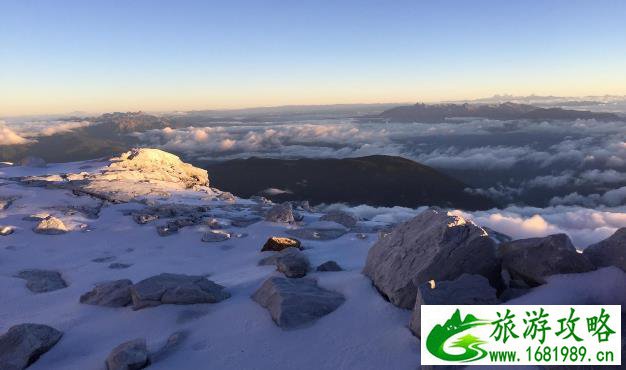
x,y
282,213
131,355
51,226
466,290
23,344
529,261
109,294
434,245
277,244
176,289
273,259
609,252
42,281
296,302
293,265
343,218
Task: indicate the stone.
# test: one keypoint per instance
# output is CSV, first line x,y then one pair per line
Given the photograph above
x,y
6,202
434,245
166,230
271,260
42,281
176,289
109,294
215,224
281,213
131,355
529,261
293,265
610,251
277,243
142,218
51,226
343,218
244,221
329,266
294,303
23,344
465,290
213,236
6,230
226,197
36,217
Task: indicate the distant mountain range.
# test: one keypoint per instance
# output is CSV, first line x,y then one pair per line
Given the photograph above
x,y
377,180
436,113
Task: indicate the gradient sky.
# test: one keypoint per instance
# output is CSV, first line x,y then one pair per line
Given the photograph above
x,y
61,56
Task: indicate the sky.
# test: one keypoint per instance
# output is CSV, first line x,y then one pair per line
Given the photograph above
x,y
95,56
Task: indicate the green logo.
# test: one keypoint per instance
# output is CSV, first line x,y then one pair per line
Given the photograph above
x,y
438,337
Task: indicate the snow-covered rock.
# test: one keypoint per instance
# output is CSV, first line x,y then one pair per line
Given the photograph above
x,y
610,251
6,230
42,281
278,243
23,344
296,302
281,213
329,266
176,289
343,218
215,236
293,265
109,294
529,261
131,355
51,226
432,246
465,290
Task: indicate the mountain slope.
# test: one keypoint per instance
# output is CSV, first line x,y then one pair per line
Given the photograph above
x,y
375,180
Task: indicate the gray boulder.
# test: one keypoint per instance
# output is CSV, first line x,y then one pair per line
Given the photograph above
x,y
277,244
529,261
176,289
109,294
273,259
293,265
329,266
23,344
215,236
431,246
343,218
610,251
131,355
466,289
51,226
296,302
42,281
281,213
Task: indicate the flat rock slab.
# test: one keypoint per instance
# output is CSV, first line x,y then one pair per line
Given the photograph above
x,y
213,236
41,281
609,252
51,226
23,344
434,245
131,355
277,244
296,302
465,290
530,261
109,294
176,289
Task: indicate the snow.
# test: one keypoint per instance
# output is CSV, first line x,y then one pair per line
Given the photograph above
x,y
366,332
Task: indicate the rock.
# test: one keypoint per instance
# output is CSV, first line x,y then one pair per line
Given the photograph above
x,y
293,265
343,218
610,251
321,230
498,237
142,218
42,281
465,290
173,342
329,266
118,265
215,236
361,236
6,202
179,223
166,230
6,230
226,197
277,243
131,355
32,161
109,294
432,246
271,260
36,217
244,221
51,226
23,344
176,289
215,224
281,213
296,302
529,261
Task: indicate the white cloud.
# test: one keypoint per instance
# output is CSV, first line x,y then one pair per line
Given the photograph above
x,y
10,137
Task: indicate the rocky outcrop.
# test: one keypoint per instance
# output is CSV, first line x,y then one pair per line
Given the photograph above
x,y
176,289
529,261
42,281
343,218
465,290
51,226
109,294
610,251
432,246
329,266
277,244
131,355
296,302
23,344
281,213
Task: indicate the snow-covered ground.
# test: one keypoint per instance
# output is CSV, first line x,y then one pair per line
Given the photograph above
x,y
365,332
